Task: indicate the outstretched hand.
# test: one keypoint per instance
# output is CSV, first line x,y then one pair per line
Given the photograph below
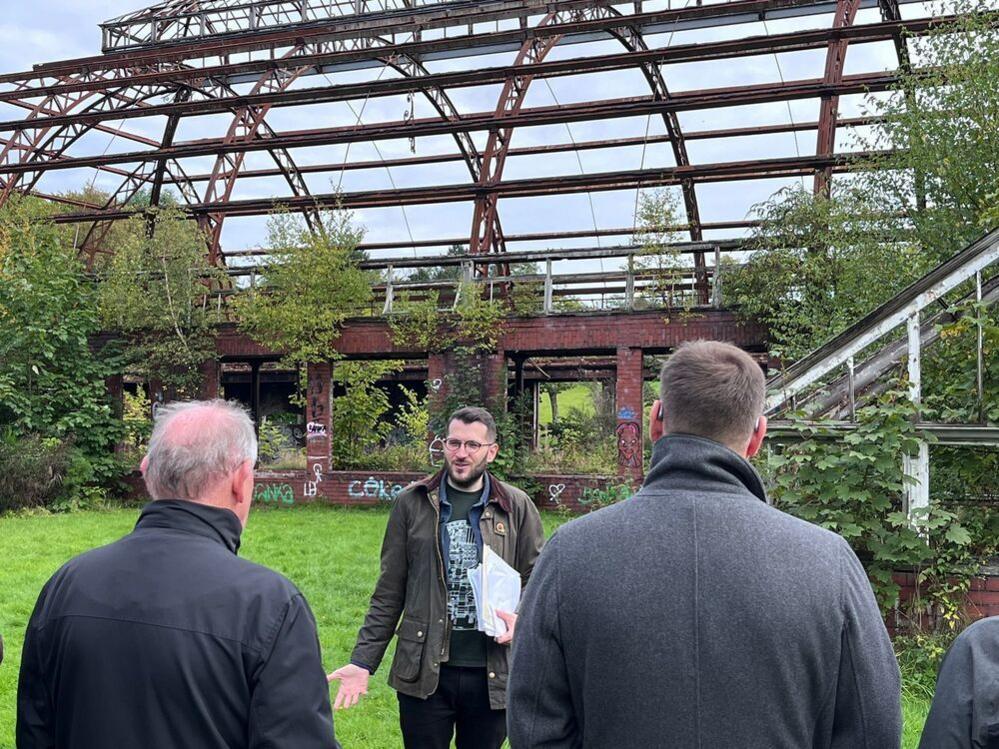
x,y
511,623
353,683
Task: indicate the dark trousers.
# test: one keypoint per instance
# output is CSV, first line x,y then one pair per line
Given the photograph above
x,y
459,708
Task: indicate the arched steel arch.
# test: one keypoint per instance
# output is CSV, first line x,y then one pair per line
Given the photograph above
x,y
249,120
846,12
484,238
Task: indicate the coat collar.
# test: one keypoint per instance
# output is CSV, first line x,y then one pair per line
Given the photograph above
x,y
216,523
697,462
431,484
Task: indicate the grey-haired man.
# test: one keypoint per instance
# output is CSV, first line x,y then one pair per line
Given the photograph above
x,y
166,638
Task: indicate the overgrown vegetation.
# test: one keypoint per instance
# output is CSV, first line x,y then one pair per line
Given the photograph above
x,y
311,285
155,291
57,428
823,262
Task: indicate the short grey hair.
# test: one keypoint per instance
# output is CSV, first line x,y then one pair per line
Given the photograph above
x,y
714,390
185,464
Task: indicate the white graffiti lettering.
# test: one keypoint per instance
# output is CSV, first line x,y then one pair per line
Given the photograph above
x,y
373,488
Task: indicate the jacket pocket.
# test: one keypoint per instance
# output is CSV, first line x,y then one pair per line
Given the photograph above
x,y
412,634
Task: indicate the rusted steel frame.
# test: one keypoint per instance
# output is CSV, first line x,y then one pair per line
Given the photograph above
x,y
741,11
43,145
511,238
846,12
890,12
632,38
607,109
246,126
227,169
113,131
584,145
647,59
511,100
562,185
93,241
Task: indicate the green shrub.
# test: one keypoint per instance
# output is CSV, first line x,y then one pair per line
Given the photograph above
x,y
33,470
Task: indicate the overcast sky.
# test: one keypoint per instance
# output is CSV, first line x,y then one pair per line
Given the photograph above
x,y
46,30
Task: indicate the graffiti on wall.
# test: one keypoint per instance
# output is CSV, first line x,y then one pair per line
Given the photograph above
x,y
555,493
311,488
317,397
314,430
373,488
436,448
629,444
280,494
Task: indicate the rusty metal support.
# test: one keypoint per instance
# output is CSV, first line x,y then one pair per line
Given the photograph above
x,y
846,12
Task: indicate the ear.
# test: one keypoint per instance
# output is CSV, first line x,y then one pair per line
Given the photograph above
x,y
492,453
656,426
241,485
756,440
144,465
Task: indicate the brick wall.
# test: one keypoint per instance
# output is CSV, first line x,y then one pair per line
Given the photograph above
x,y
981,601
585,333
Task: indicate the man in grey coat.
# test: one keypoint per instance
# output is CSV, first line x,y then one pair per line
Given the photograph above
x,y
965,710
694,614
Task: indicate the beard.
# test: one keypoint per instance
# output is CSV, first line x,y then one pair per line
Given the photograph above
x,y
473,474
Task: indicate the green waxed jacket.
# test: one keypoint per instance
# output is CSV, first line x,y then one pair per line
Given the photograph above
x,y
410,598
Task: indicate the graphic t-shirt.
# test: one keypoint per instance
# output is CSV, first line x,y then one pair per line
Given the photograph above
x,y
468,644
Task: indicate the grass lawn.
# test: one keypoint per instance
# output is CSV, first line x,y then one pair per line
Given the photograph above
x,y
330,553
577,397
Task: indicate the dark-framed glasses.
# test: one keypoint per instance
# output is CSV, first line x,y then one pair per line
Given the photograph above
x,y
452,445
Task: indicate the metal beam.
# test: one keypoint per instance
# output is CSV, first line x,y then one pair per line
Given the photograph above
x,y
561,185
662,21
607,109
927,290
964,435
794,41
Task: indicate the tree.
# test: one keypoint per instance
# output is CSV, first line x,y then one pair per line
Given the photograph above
x,y
51,382
819,264
155,289
312,284
657,214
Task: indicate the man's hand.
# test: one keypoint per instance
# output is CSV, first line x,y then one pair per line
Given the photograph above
x,y
353,683
511,624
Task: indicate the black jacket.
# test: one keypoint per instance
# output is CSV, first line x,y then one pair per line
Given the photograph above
x,y
965,710
694,615
166,638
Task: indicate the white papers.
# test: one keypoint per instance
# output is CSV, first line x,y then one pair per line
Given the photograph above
x,y
496,587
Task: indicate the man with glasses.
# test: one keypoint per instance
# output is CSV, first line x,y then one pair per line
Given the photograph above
x,y
449,676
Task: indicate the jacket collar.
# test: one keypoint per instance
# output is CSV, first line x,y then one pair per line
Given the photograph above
x,y
497,493
216,523
696,462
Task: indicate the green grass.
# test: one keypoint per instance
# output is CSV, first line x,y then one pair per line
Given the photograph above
x,y
577,397
330,553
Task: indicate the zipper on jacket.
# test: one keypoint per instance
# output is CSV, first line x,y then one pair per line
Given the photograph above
x,y
440,569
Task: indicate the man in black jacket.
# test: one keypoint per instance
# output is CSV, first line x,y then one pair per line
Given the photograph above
x,y
166,638
694,614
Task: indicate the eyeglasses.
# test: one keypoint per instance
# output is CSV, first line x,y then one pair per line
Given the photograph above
x,y
453,445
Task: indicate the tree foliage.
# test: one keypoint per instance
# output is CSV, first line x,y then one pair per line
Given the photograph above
x,y
311,286
52,383
155,291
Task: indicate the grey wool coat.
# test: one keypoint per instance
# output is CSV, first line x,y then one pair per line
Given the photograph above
x,y
695,615
965,710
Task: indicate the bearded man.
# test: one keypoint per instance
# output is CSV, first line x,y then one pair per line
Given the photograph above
x,y
450,677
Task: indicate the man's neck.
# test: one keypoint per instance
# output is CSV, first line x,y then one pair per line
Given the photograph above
x,y
476,487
